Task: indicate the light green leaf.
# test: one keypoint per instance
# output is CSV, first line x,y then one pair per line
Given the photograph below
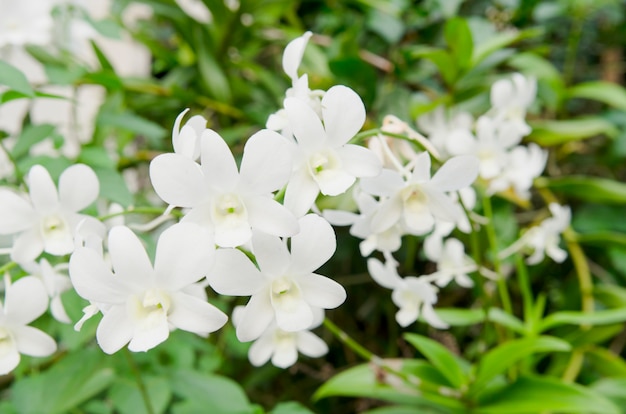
x,y
612,388
441,358
601,317
605,362
501,40
547,133
441,58
505,355
133,123
459,39
113,187
290,407
13,78
594,189
127,397
543,394
31,135
609,93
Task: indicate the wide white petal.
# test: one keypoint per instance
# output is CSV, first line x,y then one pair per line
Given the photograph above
x,y
501,93
177,180
340,217
384,275
93,280
408,315
218,164
271,254
313,245
321,291
184,254
310,344
25,300
359,161
192,314
385,184
261,350
78,187
9,360
458,172
343,113
421,171
271,217
16,214
285,355
43,192
442,206
128,256
388,214
27,246
148,334
234,274
334,182
115,329
58,310
305,124
301,193
295,317
266,164
33,342
232,233
255,317
292,56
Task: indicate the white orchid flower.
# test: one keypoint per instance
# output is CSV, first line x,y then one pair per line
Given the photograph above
x,y
544,239
55,284
452,262
523,165
186,140
144,302
510,99
46,220
23,23
284,286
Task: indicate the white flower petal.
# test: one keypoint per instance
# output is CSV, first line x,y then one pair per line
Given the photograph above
x,y
301,193
359,161
128,256
58,310
385,184
408,315
255,317
176,130
195,315
458,172
340,217
266,163
295,317
271,254
261,350
388,214
184,254
313,245
177,180
285,356
384,275
234,274
271,217
421,171
311,345
9,360
43,192
321,291
218,164
33,342
343,113
232,233
292,56
333,182
432,318
148,334
115,329
25,300
27,246
16,214
305,124
78,187
442,206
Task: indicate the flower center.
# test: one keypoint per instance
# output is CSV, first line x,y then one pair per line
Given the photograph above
x,y
151,307
322,162
6,342
414,198
53,225
285,294
229,209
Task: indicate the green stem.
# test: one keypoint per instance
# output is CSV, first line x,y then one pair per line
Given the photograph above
x,y
140,384
569,66
524,285
7,267
139,210
372,132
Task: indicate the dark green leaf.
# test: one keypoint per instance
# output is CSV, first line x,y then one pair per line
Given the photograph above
x,y
442,59
601,317
459,39
441,358
594,189
547,133
609,93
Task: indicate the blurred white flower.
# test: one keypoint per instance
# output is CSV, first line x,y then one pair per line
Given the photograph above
x,y
47,219
25,300
231,202
444,131
25,22
523,165
55,284
196,10
510,98
284,286
144,302
414,296
452,262
544,239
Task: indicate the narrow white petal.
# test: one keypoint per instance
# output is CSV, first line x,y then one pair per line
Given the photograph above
x,y
421,171
305,124
9,360
340,217
43,192
261,350
271,254
431,317
292,56
271,217
255,317
301,193
25,300
218,163
115,329
384,275
176,129
310,344
177,180
313,245
321,291
359,161
16,214
334,182
387,215
78,187
234,274
27,246
58,310
456,173
184,254
192,314
442,206
385,184
266,163
343,113
33,342
128,256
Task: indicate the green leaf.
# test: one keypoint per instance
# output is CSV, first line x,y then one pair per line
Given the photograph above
x,y
612,388
113,187
102,58
441,358
133,123
605,362
70,382
466,317
501,40
601,317
594,189
505,355
399,409
441,58
209,393
459,39
609,93
13,78
603,238
290,407
31,135
127,398
547,133
542,394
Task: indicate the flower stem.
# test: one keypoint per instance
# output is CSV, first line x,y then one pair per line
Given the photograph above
x,y
139,210
140,384
7,267
524,285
